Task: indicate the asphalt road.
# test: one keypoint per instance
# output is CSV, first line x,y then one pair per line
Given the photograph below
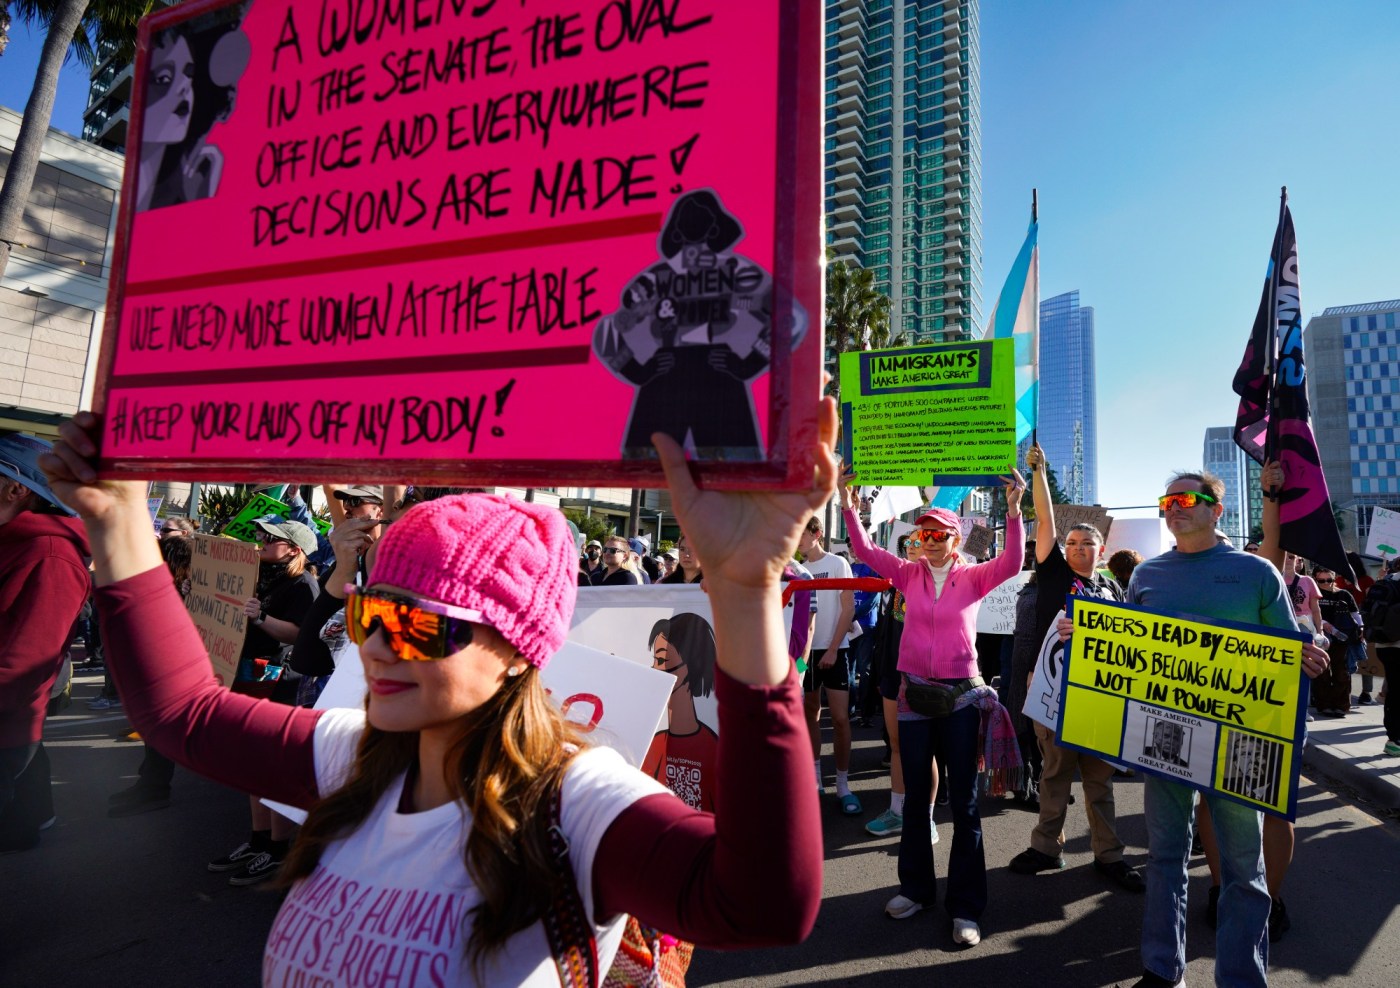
x,y
129,902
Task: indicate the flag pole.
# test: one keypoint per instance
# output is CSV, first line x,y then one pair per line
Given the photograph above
x,y
1271,351
1035,218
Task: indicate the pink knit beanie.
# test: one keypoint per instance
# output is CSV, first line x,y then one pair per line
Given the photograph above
x,y
513,561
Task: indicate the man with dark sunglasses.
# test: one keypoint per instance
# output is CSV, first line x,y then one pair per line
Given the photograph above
x,y
617,572
1203,577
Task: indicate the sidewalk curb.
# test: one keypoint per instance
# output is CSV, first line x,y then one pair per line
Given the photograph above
x,y
1337,763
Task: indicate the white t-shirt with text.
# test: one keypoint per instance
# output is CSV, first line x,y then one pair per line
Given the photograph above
x,y
390,903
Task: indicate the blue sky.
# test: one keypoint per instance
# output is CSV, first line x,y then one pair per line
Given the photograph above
x,y
1158,136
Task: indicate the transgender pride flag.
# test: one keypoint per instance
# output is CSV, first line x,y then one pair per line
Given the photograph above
x,y
1016,316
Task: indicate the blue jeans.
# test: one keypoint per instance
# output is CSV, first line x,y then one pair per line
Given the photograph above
x,y
953,738
1242,933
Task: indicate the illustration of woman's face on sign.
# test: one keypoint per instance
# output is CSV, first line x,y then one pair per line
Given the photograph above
x,y
169,93
665,658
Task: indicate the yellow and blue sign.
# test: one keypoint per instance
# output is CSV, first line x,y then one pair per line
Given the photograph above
x,y
1216,705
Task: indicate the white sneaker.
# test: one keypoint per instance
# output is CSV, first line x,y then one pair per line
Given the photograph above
x,y
966,931
902,907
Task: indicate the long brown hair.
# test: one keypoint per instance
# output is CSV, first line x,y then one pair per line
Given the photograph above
x,y
505,763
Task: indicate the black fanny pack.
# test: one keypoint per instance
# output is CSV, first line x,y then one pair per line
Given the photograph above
x,y
936,699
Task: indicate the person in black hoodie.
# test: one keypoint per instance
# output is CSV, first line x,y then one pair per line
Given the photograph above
x,y
280,605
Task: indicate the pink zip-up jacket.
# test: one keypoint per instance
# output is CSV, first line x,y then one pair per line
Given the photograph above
x,y
940,630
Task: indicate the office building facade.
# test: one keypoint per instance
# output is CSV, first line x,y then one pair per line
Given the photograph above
x,y
1353,360
53,296
903,152
1068,428
1222,456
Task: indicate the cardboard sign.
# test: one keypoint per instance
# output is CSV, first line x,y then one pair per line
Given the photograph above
x,y
978,541
1384,539
242,527
1069,515
467,243
925,415
996,615
223,575
1215,705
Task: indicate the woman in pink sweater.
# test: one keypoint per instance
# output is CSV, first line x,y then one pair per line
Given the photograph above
x,y
460,830
937,654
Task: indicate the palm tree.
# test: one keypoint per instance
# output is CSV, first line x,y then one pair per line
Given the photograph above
x,y
76,27
857,315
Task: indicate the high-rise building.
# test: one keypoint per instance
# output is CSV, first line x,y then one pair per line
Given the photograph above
x,y
109,96
1223,457
904,157
1068,427
1352,354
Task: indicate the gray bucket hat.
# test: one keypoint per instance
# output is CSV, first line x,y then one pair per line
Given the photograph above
x,y
293,531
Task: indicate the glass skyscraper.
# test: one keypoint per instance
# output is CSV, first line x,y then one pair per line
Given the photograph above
x,y
1068,427
903,157
1221,456
1352,354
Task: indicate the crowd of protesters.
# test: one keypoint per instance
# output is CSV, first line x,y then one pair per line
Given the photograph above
x,y
905,659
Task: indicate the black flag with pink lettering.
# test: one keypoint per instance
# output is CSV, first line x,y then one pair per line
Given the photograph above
x,y
1273,420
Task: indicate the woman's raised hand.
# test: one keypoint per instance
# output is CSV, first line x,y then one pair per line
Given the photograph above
x,y
746,537
72,473
1015,487
848,492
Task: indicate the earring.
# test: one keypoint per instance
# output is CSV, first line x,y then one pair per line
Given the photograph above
x,y
514,671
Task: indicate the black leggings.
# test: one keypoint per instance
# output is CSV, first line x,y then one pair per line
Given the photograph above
x,y
1390,658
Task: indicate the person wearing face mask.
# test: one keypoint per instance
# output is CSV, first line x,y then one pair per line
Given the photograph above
x,y
1059,573
593,560
944,707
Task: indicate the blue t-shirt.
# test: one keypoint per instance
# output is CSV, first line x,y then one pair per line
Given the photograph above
x,y
1221,583
866,613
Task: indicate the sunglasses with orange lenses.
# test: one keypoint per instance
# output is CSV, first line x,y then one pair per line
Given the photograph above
x,y
418,630
930,535
1185,499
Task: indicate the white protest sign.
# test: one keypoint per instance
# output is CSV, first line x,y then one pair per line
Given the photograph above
x,y
1043,694
1147,536
997,613
671,627
1384,540
615,702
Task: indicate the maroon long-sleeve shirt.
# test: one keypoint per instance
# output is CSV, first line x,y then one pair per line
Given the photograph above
x,y
748,875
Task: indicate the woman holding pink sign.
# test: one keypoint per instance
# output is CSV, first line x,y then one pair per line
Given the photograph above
x,y
460,796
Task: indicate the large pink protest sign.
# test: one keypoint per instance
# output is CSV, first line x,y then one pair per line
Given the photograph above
x,y
469,241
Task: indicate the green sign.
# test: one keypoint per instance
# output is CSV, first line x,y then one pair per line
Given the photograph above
x,y
242,527
924,415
